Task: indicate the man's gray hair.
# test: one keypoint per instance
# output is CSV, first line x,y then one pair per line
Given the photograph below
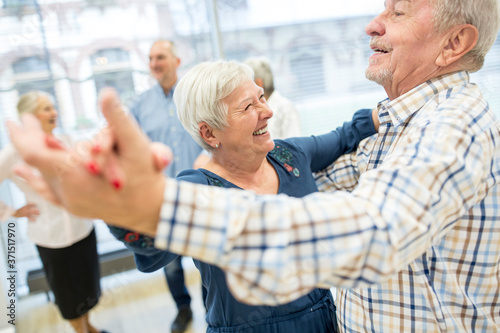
x,y
198,95
173,47
483,14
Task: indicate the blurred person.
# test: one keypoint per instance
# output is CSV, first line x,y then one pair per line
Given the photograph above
x,y
244,156
66,243
285,122
412,245
155,112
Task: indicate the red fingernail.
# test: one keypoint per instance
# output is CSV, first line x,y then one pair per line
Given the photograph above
x,y
96,148
93,168
116,184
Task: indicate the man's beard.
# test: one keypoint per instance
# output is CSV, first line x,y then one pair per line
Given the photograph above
x,y
381,77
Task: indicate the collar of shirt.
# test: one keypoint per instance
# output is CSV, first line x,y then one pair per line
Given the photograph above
x,y
160,90
400,109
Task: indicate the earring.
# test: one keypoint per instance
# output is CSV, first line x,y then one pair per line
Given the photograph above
x,y
216,145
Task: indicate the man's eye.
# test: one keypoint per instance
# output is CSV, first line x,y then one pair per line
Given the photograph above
x,y
261,96
249,105
398,14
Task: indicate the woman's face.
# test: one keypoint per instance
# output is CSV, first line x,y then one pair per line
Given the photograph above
x,y
46,114
247,119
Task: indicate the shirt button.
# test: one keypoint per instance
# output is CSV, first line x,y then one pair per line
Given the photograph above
x,y
173,129
175,144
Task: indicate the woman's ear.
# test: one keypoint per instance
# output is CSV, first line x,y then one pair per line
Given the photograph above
x,y
459,42
207,134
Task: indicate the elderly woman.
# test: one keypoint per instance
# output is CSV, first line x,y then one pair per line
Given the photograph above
x,y
66,243
226,113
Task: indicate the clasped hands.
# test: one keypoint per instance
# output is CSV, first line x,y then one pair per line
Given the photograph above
x,y
116,177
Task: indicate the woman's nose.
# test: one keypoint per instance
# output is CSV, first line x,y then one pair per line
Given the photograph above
x,y
266,111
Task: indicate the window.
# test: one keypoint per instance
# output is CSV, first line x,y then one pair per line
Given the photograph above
x,y
30,64
17,3
111,68
32,73
308,71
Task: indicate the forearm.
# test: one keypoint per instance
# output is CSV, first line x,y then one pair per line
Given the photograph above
x,y
147,257
343,140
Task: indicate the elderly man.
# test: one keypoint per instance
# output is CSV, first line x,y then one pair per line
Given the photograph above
x,y
414,243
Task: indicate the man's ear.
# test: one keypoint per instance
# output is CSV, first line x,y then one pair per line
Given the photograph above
x,y
207,134
459,41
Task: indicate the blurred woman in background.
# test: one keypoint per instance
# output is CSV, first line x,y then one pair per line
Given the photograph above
x,y
66,243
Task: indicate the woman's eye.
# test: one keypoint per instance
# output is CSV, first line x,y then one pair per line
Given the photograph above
x,y
249,105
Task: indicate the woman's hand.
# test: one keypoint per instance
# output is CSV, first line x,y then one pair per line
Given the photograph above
x,y
30,211
124,158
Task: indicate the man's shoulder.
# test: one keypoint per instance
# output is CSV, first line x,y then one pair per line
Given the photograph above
x,y
147,99
467,98
148,93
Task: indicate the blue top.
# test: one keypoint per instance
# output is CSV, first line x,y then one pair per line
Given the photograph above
x,y
156,114
294,160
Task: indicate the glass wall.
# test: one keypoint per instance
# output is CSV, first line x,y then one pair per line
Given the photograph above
x,y
72,48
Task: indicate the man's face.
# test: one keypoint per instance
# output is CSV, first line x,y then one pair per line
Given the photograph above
x,y
162,63
405,46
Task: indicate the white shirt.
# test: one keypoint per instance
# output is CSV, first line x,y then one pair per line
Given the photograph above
x,y
285,122
54,227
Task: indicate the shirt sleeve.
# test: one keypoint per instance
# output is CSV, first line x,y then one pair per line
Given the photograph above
x,y
323,150
147,257
344,173
277,248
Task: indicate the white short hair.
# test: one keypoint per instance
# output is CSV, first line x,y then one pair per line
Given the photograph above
x,y
198,95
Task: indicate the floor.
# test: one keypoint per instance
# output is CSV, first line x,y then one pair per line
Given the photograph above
x,y
131,302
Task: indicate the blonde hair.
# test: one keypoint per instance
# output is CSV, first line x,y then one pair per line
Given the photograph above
x,y
28,102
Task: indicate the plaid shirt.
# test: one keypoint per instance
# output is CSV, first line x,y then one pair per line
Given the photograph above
x,y
413,245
